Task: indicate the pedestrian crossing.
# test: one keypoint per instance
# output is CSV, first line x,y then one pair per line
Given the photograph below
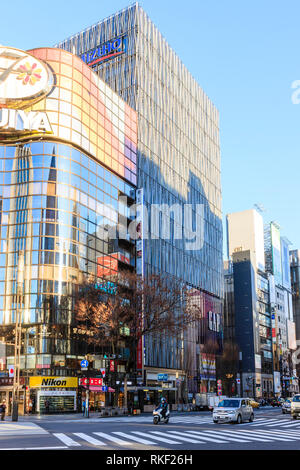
x,y
131,439
285,422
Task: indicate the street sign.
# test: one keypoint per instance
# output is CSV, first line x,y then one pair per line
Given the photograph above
x,y
104,388
11,371
84,363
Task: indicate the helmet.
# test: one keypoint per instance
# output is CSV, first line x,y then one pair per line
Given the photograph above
x,y
163,400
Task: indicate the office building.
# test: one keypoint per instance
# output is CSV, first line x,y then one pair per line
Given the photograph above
x,y
178,161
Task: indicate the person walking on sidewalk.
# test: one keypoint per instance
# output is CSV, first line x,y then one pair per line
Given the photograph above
x,y
2,410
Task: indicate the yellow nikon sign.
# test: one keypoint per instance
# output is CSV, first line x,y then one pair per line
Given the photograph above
x,y
55,382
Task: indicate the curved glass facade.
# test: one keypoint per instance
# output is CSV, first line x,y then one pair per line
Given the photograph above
x,y
67,178
54,202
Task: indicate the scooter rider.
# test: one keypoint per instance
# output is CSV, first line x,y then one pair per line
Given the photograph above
x,y
164,407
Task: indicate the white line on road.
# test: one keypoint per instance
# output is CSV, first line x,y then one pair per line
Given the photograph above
x,y
133,438
222,436
89,439
158,438
66,439
187,439
113,439
245,438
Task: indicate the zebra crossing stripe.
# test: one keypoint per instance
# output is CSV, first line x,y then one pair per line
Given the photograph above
x,y
222,436
186,439
253,436
159,438
113,439
66,439
89,439
209,439
291,425
274,436
133,438
285,433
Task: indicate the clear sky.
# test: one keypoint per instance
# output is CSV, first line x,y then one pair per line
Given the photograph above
x,y
244,54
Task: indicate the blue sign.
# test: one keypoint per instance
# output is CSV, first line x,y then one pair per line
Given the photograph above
x,y
84,363
104,388
108,50
162,377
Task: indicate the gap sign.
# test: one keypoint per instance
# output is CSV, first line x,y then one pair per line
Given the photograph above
x,y
108,50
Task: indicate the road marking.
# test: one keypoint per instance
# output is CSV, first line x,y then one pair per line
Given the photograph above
x,y
89,439
162,439
187,439
66,439
210,439
263,434
222,436
237,434
133,438
113,439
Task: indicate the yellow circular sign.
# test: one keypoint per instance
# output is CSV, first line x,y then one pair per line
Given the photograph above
x,y
24,79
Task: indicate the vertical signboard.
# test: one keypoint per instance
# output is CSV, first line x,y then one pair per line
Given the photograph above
x,y
276,254
285,263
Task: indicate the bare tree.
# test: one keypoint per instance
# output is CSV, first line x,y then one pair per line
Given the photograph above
x,y
129,309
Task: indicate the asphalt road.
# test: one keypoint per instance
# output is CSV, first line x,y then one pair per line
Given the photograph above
x,y
271,430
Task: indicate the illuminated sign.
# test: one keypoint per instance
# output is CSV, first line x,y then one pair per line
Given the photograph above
x,y
214,321
15,121
24,79
59,382
108,50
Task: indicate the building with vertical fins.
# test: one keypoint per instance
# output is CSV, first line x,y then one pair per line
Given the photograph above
x,y
178,180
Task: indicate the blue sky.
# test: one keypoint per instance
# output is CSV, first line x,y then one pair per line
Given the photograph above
x,y
245,55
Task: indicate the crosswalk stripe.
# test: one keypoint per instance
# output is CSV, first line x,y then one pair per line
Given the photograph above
x,y
133,438
285,433
263,434
158,436
89,439
291,425
114,439
203,435
66,439
187,439
257,436
222,436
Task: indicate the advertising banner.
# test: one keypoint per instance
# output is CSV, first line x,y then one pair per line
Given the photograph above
x,y
276,254
285,262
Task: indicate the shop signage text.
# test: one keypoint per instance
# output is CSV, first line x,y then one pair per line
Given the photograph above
x,y
108,50
12,120
90,381
58,382
214,321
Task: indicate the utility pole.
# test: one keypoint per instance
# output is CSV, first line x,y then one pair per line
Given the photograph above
x,y
18,337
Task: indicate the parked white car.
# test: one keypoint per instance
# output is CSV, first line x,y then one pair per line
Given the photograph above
x,y
233,410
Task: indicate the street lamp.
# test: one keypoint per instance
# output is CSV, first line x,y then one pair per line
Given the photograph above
x,y
18,333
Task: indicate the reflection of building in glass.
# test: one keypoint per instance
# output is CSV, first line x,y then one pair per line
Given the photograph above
x,y
58,191
178,160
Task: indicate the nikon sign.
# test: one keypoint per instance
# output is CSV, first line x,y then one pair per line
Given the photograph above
x,y
53,382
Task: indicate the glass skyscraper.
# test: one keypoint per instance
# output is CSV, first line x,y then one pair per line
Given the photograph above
x,y
178,158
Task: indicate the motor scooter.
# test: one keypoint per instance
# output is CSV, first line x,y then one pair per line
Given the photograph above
x,y
157,416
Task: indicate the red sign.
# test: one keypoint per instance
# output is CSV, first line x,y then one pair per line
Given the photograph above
x,y
139,361
112,366
85,381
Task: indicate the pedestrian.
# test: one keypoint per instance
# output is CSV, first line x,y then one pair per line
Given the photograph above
x,y
47,406
130,406
83,407
2,410
30,405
